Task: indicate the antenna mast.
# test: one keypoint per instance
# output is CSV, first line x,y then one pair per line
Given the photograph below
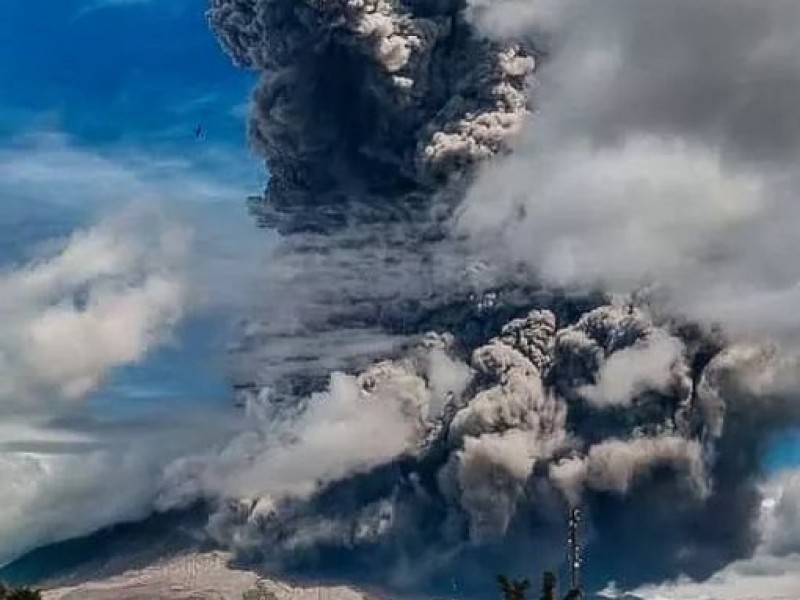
x,y
574,550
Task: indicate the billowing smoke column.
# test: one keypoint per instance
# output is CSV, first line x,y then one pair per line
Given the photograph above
x,y
365,107
459,456
439,467
372,116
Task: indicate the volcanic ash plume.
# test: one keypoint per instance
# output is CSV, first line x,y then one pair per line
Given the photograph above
x,y
441,464
456,453
366,107
372,115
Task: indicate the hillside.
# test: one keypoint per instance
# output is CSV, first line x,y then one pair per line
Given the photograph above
x,y
195,577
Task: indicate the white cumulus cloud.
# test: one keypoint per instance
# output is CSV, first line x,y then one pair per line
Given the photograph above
x,y
108,296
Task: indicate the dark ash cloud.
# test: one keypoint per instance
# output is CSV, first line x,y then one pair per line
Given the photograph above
x,y
415,188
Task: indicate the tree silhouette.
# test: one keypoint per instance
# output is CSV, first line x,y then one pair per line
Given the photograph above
x,y
23,593
548,586
513,589
516,589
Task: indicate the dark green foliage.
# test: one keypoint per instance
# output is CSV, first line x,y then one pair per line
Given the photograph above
x,y
24,593
548,586
516,589
513,589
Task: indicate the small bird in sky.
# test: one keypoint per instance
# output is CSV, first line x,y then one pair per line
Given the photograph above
x,y
198,131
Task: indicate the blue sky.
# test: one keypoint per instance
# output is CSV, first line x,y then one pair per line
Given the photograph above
x,y
108,72
100,99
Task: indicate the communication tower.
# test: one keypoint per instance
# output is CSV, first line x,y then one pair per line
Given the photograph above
x,y
574,553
